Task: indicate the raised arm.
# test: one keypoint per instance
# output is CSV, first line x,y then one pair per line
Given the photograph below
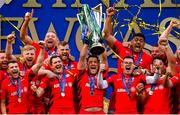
x,y
108,27
35,68
104,59
171,61
172,24
24,29
164,36
10,39
82,59
102,84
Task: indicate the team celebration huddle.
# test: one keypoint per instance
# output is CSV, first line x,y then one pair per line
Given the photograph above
x,y
45,78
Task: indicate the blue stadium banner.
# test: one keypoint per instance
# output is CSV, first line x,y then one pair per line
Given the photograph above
x,y
150,17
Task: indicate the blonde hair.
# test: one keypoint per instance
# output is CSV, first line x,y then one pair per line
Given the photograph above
x,y
28,47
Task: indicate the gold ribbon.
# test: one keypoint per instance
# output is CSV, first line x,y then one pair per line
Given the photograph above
x,y
4,19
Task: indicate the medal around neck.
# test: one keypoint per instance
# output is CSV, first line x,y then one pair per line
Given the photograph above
x,y
150,92
92,93
19,99
62,94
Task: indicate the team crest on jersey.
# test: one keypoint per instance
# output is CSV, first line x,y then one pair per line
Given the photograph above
x,y
133,89
161,87
37,82
70,84
72,66
56,85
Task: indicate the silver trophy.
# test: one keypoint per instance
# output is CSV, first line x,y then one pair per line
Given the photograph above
x,y
92,18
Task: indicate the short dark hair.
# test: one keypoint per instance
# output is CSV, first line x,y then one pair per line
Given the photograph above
x,y
52,57
94,56
128,57
159,58
139,35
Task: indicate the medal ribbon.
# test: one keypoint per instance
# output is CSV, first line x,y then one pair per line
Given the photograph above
x,y
153,86
139,57
51,53
127,86
92,84
63,80
19,85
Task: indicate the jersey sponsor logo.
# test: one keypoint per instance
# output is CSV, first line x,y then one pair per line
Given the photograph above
x,y
88,85
69,84
22,91
123,90
14,93
118,79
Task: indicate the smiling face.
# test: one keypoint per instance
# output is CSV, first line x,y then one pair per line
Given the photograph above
x,y
128,66
3,61
13,69
56,64
93,65
64,51
51,40
137,44
29,57
157,53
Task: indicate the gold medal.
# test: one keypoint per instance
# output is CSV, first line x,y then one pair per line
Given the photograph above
x,y
150,92
19,99
62,94
91,93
